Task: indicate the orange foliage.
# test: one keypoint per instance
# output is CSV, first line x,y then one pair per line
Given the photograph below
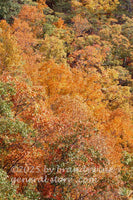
x,y
68,108
59,23
41,4
35,18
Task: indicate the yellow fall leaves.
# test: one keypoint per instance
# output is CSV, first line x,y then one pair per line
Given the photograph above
x,y
97,5
10,58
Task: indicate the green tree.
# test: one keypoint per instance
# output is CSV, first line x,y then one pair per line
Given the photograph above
x,y
10,8
7,190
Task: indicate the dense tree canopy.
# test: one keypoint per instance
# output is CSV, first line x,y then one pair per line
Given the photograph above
x,y
66,83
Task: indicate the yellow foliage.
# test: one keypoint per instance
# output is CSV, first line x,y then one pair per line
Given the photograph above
x,y
97,5
10,58
53,50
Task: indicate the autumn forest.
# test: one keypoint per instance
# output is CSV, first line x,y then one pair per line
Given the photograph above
x,y
66,103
